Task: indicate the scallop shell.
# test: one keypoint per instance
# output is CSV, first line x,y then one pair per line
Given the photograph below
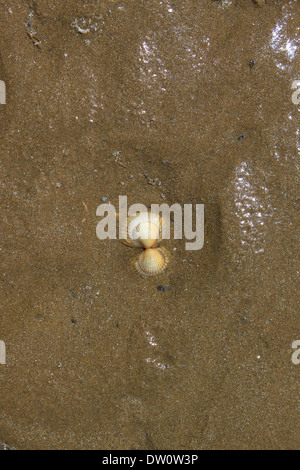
x,y
144,230
151,261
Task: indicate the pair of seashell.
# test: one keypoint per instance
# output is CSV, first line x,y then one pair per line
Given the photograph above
x,y
146,231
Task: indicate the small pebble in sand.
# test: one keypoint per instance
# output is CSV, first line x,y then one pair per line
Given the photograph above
x,y
72,294
104,198
163,288
251,63
153,181
241,137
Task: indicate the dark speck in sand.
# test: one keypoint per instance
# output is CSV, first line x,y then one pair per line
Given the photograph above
x,y
241,137
251,63
73,320
163,288
72,294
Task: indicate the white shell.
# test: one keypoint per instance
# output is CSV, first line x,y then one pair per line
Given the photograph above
x,y
144,230
151,261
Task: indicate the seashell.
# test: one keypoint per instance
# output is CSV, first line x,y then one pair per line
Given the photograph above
x,y
151,261
144,230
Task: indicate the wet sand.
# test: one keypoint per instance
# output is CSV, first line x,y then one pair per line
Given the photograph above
x,y
197,95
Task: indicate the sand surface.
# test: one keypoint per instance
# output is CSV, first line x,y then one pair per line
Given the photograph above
x,y
103,98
